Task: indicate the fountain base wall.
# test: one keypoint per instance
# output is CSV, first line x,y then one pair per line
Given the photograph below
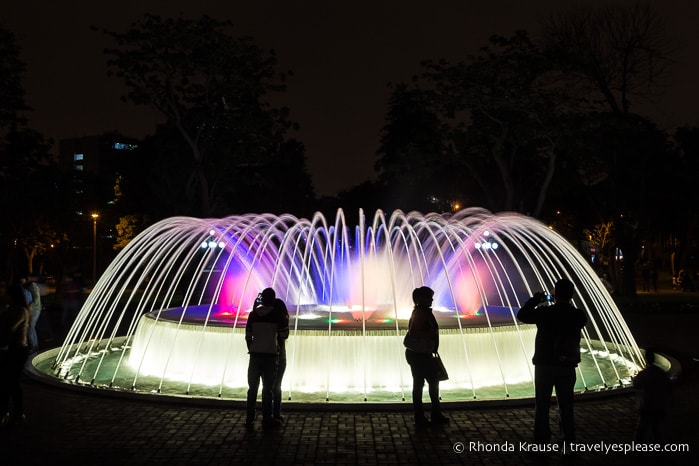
x,y
331,361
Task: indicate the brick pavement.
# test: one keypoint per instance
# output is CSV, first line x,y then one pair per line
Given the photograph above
x,y
69,427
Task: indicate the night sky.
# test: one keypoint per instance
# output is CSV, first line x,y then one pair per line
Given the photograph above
x,y
342,54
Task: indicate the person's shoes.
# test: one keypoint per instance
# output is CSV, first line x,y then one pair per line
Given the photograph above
x,y
271,423
421,421
249,423
279,417
440,419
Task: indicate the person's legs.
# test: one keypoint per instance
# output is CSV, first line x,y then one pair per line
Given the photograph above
x,y
436,410
565,385
277,401
656,425
269,372
418,384
254,373
32,337
641,428
543,387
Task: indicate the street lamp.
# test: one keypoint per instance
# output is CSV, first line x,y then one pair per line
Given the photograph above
x,y
95,215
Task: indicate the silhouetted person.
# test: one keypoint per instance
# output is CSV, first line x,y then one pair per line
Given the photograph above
x,y
280,307
556,355
423,325
262,333
14,323
654,388
35,311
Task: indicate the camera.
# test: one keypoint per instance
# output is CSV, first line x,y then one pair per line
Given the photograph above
x,y
258,300
548,297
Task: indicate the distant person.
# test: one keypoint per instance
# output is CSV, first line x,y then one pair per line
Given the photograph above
x,y
35,311
654,388
604,278
280,307
263,330
556,355
423,326
654,278
14,350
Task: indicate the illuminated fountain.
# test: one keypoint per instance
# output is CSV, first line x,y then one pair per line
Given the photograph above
x,y
168,316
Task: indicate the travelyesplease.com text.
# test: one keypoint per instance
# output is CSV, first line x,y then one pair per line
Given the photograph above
x,y
569,447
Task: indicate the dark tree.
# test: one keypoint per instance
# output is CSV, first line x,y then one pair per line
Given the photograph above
x,y
504,112
412,165
12,93
212,89
25,196
618,174
681,219
614,53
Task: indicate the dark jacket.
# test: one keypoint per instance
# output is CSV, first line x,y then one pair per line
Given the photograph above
x,y
558,328
423,324
280,307
266,325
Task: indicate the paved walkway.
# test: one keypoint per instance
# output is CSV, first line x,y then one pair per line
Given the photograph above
x,y
67,427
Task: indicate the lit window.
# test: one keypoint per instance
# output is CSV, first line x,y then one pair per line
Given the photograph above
x,y
80,167
123,146
78,157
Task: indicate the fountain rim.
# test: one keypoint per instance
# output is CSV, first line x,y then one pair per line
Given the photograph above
x,y
497,317
30,370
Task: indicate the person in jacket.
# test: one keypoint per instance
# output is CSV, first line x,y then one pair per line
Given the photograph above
x,y
423,325
556,355
265,326
280,307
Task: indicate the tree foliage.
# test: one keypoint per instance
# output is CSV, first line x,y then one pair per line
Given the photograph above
x,y
11,91
411,159
212,89
494,124
545,125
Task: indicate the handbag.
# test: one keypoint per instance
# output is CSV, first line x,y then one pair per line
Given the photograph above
x,y
440,372
419,345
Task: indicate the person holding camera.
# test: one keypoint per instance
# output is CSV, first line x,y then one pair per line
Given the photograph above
x,y
556,355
